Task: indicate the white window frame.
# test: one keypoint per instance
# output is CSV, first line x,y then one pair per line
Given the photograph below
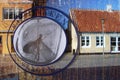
x,y
100,46
85,46
13,13
116,42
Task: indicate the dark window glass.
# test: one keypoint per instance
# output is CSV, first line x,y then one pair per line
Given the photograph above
x,y
11,13
5,13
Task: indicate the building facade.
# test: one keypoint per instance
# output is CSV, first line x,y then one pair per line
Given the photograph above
x,y
8,10
99,31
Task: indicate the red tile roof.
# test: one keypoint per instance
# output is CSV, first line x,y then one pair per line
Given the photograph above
x,y
90,20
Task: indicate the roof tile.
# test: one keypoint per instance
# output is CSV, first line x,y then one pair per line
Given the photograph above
x,y
90,20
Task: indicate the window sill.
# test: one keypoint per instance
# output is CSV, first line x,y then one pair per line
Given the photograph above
x,y
11,19
115,51
85,46
99,47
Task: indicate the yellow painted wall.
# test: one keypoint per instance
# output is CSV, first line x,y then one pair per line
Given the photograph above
x,y
4,43
93,48
74,38
4,24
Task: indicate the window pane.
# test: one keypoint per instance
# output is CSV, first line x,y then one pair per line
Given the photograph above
x,y
83,43
11,14
87,38
118,48
97,44
83,38
101,43
5,13
118,43
97,38
97,41
113,43
87,44
17,12
118,38
113,38
113,48
20,10
87,41
101,38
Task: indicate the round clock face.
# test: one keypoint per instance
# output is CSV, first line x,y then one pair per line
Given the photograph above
x,y
39,41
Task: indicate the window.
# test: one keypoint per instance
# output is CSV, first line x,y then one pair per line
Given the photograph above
x,y
11,13
115,44
99,41
85,41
